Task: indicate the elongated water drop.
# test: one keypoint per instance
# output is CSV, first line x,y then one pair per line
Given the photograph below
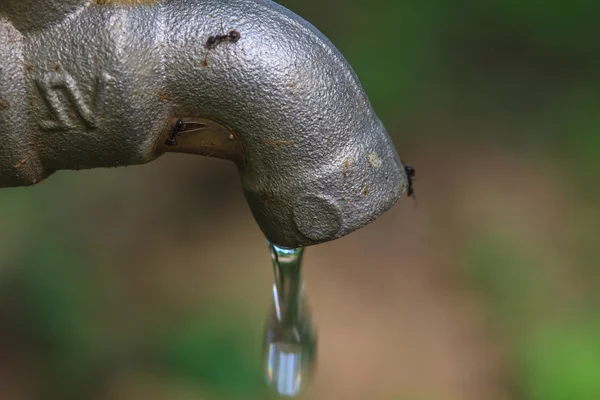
x,y
290,343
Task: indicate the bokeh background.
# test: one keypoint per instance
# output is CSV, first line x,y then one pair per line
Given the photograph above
x,y
153,282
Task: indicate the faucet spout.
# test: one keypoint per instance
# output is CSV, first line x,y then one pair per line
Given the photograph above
x,y
124,81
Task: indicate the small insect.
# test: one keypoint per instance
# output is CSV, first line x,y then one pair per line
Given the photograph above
x,y
213,41
176,129
410,174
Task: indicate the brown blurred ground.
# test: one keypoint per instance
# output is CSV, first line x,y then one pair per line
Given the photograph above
x,y
395,314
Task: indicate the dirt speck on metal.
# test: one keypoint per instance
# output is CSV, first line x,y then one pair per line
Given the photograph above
x,y
346,167
373,160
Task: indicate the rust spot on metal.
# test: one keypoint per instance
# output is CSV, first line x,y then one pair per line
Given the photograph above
x,y
34,143
163,97
292,85
4,104
278,142
20,164
204,62
346,167
365,191
57,68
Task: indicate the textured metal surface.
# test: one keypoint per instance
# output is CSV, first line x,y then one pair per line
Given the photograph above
x,y
87,84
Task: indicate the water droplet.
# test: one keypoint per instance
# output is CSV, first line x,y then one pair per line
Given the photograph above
x,y
290,341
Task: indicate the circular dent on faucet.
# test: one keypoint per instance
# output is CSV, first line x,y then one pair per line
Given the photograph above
x,y
317,217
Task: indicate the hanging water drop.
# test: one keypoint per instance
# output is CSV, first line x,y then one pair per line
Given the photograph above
x,y
290,342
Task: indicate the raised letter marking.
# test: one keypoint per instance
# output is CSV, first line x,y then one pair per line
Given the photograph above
x,y
51,85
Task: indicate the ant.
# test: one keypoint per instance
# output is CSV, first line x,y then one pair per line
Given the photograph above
x,y
213,41
410,174
177,127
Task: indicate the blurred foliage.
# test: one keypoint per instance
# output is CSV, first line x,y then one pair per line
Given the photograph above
x,y
530,66
561,363
219,356
555,361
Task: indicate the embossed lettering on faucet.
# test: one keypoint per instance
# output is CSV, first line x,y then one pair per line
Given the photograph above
x,y
65,101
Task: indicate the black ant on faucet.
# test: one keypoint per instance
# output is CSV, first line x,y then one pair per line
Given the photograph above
x,y
410,175
176,129
213,41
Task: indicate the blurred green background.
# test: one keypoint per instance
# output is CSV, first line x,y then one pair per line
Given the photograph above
x,y
153,282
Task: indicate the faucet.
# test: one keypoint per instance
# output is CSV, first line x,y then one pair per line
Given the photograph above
x,y
107,83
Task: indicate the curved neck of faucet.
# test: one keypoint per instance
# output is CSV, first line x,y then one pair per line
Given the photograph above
x,y
28,15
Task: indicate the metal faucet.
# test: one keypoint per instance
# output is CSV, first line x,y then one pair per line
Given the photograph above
x,y
106,83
